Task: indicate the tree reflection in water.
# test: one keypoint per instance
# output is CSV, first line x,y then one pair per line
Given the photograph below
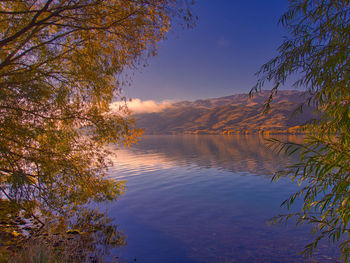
x,y
84,235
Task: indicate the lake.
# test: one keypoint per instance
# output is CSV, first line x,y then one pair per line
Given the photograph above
x,y
206,198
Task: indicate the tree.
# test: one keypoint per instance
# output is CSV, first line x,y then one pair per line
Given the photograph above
x,y
317,53
60,61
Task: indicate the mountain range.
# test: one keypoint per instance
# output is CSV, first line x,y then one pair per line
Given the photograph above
x,y
238,113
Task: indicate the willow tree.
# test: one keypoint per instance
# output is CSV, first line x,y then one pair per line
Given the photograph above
x,y
317,52
59,67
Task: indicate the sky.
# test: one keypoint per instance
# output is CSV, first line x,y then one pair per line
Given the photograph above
x,y
218,57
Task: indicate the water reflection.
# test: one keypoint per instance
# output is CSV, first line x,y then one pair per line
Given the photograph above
x,y
83,234
236,153
199,199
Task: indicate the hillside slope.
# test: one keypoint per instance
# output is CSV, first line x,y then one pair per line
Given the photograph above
x,y
231,114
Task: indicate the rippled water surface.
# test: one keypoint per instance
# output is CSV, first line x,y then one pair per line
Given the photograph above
x,y
205,198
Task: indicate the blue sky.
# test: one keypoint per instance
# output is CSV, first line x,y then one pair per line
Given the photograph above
x,y
218,57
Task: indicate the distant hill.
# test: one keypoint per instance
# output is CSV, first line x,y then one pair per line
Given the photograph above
x,y
232,114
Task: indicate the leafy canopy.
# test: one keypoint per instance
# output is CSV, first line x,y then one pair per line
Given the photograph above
x,y
59,67
318,52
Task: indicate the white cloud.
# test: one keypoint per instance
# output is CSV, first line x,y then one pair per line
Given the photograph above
x,y
139,106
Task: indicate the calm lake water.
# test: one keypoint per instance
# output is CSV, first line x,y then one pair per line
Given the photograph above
x,y
205,198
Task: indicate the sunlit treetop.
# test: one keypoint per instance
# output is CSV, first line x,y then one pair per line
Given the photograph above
x,y
77,47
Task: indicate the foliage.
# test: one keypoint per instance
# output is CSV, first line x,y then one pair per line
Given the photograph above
x,y
317,53
59,67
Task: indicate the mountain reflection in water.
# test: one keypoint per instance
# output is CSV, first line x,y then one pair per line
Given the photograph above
x,y
235,153
199,198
